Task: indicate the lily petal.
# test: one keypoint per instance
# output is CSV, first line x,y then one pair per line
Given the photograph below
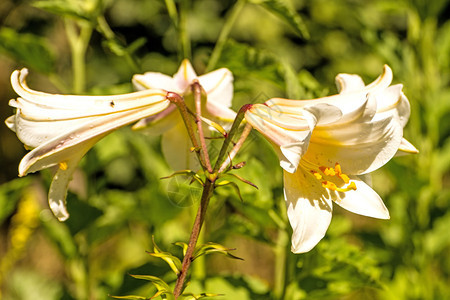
x,y
359,147
362,201
218,85
347,83
63,146
159,123
309,210
352,105
58,188
406,148
152,80
176,146
39,106
290,134
185,76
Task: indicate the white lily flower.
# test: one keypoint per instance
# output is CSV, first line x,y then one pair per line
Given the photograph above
x,y
362,132
62,128
218,86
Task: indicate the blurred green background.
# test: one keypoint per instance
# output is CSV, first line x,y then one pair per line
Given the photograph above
x,y
274,48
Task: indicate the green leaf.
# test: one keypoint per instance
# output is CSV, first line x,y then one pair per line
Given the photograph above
x,y
191,173
213,248
233,185
173,261
28,49
243,180
182,245
73,9
286,13
162,287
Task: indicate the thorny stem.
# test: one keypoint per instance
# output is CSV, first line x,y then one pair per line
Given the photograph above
x,y
185,115
208,189
234,128
236,148
197,90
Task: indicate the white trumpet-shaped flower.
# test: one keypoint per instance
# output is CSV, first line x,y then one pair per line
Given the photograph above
x,y
326,145
218,87
62,128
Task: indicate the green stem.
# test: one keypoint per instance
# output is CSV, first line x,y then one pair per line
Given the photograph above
x,y
281,256
208,189
185,41
199,268
78,44
224,33
106,31
172,10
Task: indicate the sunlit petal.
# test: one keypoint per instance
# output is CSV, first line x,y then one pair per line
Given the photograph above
x,y
60,147
309,210
290,134
363,201
184,76
58,188
154,80
218,85
40,106
358,147
159,123
347,83
406,148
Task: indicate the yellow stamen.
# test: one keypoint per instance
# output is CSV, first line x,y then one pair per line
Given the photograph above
x,y
328,171
63,165
331,172
329,185
317,175
337,168
344,178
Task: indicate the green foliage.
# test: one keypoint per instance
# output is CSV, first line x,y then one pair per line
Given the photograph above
x,y
31,50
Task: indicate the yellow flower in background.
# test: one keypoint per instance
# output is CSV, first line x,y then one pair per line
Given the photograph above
x,y
335,142
62,128
218,87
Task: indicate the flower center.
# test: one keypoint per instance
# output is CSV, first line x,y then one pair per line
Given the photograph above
x,y
333,179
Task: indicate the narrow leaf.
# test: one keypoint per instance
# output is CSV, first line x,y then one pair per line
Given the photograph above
x,y
182,245
214,125
286,13
244,180
188,173
213,248
233,185
173,261
160,285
